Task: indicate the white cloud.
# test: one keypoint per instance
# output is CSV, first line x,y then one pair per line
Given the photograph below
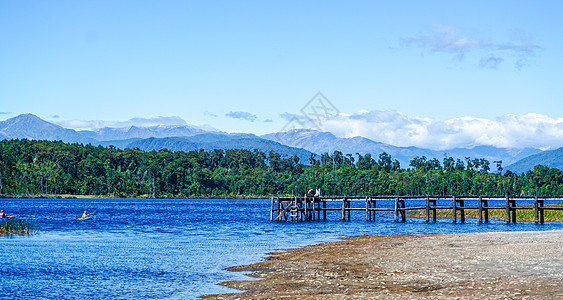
x,y
242,115
446,38
491,62
136,121
171,121
210,114
392,127
451,39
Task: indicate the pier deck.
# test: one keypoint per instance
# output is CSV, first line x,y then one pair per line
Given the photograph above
x,y
296,209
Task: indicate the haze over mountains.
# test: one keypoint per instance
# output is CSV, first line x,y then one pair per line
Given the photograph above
x,y
300,142
174,138
112,134
320,142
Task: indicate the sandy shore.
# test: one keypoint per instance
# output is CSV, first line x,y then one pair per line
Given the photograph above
x,y
502,265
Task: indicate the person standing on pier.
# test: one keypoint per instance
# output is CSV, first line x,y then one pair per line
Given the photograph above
x,y
309,192
318,192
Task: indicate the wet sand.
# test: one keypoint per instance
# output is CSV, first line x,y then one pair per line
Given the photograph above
x,y
502,265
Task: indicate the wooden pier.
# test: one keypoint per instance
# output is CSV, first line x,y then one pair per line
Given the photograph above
x,y
297,209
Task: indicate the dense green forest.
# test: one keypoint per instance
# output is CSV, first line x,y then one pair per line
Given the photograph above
x,y
42,168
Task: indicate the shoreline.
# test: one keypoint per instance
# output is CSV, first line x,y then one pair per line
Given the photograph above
x,y
517,265
116,197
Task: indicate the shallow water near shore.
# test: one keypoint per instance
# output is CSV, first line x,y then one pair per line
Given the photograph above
x,y
170,248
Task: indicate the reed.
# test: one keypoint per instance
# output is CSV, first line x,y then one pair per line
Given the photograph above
x,y
521,215
16,226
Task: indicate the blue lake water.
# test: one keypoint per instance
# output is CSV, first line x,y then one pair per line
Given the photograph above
x,y
169,248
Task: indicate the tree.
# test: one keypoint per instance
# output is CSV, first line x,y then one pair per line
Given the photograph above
x,y
499,166
365,162
385,162
44,168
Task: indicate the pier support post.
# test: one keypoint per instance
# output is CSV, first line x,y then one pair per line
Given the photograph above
x,y
513,209
373,205
403,212
349,210
294,212
272,209
343,209
370,209
536,211
396,210
367,209
540,209
434,217
454,210
480,209
462,210
508,210
427,209
486,208
306,208
313,207
399,210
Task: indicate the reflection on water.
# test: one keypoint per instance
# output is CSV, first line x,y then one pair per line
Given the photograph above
x,y
168,249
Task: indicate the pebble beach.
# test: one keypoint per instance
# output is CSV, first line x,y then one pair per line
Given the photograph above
x,y
499,265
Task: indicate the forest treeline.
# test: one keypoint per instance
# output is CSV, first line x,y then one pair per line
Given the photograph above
x,y
36,168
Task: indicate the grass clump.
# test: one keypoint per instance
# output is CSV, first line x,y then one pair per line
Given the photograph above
x,y
16,226
499,213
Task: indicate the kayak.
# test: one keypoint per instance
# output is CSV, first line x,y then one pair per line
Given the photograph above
x,y
88,217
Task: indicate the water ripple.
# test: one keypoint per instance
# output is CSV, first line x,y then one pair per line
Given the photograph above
x,y
168,249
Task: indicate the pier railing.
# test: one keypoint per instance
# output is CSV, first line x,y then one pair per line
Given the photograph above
x,y
296,209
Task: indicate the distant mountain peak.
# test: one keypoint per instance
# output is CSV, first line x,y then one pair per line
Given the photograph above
x,y
27,117
25,122
30,126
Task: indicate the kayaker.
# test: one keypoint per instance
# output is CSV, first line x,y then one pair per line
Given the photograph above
x,y
84,215
3,214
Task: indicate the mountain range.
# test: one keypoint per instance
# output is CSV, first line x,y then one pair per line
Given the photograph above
x,y
174,138
28,126
320,142
549,158
300,142
135,132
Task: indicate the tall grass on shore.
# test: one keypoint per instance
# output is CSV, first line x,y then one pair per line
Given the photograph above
x,y
521,214
16,226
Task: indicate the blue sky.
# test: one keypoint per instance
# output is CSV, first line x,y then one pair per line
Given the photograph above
x,y
437,74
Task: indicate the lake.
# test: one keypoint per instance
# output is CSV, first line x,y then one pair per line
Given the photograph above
x,y
169,248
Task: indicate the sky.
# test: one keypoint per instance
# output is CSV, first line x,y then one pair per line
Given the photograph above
x,y
433,74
